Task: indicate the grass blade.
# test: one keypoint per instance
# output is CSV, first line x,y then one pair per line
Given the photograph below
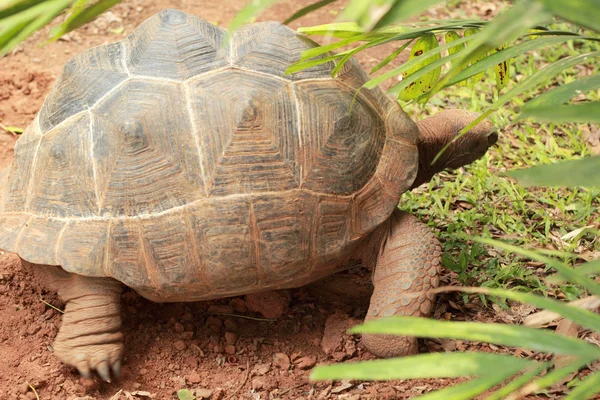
x,y
404,9
539,77
391,57
507,335
550,378
578,315
580,12
503,55
589,387
581,112
471,389
505,28
566,271
433,365
249,13
9,9
571,173
518,382
308,9
82,16
561,94
589,268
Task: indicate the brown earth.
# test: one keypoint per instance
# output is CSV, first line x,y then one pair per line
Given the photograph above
x,y
219,348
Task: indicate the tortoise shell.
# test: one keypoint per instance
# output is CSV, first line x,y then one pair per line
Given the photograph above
x,y
190,170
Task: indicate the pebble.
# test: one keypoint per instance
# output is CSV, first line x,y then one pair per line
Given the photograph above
x,y
281,360
230,338
229,349
179,345
306,362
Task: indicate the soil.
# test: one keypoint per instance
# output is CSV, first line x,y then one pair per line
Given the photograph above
x,y
218,349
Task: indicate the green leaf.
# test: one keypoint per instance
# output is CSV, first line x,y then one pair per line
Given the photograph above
x,y
566,271
8,9
475,57
434,66
580,316
308,9
80,16
433,365
249,13
582,12
20,26
507,335
427,80
581,112
339,30
505,28
589,268
414,62
502,71
450,37
471,389
13,129
587,388
185,394
402,10
539,77
391,57
563,93
573,173
515,384
503,55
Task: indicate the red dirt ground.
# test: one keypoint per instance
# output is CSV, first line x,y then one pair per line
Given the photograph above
x,y
176,346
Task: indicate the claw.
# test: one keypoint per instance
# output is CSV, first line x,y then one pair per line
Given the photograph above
x,y
103,371
85,372
116,368
82,366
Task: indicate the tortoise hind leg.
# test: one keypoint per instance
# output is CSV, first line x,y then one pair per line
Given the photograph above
x,y
90,336
406,266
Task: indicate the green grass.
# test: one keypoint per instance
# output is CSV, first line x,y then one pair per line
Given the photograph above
x,y
479,201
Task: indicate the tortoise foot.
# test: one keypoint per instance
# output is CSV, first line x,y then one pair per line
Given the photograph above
x,y
406,269
100,352
90,337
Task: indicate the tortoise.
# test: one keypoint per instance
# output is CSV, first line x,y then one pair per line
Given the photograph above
x,y
187,171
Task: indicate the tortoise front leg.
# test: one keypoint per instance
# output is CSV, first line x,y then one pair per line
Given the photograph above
x,y
406,266
90,336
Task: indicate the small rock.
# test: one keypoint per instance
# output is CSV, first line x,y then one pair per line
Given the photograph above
x,y
143,371
239,305
263,383
230,338
335,334
23,388
281,360
136,385
180,345
261,369
270,304
194,377
306,362
203,393
179,328
229,349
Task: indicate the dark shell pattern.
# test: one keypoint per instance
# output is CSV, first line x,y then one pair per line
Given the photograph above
x,y
189,169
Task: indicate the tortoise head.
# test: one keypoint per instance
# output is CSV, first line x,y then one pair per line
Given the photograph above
x,y
443,129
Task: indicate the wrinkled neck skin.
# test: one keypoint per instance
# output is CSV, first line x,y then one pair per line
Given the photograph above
x,y
440,130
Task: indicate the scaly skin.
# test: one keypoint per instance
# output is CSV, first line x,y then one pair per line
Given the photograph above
x,y
90,337
407,257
